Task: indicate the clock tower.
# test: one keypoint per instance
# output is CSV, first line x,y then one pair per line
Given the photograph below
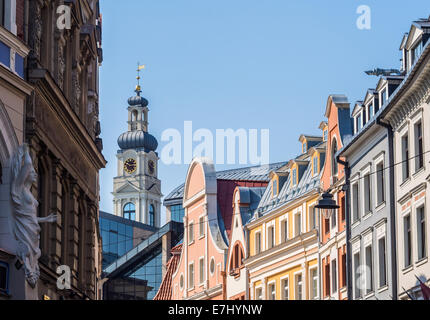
x,y
137,189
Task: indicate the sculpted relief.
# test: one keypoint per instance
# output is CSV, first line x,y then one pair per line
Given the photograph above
x,y
26,223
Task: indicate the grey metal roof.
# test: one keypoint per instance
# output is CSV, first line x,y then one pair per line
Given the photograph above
x,y
288,193
256,173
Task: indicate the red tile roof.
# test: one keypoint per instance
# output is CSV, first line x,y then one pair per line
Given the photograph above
x,y
165,291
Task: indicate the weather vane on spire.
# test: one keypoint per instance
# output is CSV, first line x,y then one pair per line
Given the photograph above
x,y
139,68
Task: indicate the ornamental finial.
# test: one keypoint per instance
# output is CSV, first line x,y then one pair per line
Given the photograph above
x,y
139,68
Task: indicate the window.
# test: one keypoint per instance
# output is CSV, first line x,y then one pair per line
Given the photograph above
x,y
312,218
272,291
405,157
380,183
237,257
258,294
327,279
343,270
191,276
342,208
355,203
367,194
407,240
364,117
181,282
369,270
212,266
271,237
294,177
383,97
315,165
359,122
314,283
334,219
334,164
298,224
286,289
416,52
382,261
4,277
371,111
257,243
299,287
284,230
275,188
177,213
305,147
202,270
326,225
129,212
325,135
151,216
357,271
191,233
421,233
334,276
202,227
419,151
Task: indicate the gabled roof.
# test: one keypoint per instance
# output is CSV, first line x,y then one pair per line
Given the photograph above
x,y
165,290
256,173
357,108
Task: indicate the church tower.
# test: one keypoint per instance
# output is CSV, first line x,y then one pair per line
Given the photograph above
x,y
137,189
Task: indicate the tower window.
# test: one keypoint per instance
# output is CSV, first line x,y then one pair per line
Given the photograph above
x,y
129,211
151,216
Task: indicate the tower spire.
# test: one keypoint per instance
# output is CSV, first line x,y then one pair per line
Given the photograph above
x,y
139,68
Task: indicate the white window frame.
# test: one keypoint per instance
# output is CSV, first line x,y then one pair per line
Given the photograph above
x,y
256,296
416,120
366,172
259,232
202,281
296,213
381,233
419,204
269,225
189,286
191,232
296,285
202,227
311,282
356,249
355,183
378,161
408,212
336,278
287,277
281,233
269,293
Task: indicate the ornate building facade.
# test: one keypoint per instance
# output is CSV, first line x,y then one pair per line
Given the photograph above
x,y
62,130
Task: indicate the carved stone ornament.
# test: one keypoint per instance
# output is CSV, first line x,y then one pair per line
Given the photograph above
x,y
26,223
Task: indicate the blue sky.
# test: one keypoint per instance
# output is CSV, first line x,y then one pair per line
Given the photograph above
x,y
240,64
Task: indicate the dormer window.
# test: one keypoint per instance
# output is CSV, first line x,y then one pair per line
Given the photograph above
x,y
294,177
305,147
325,135
371,111
359,122
275,188
383,97
416,52
315,165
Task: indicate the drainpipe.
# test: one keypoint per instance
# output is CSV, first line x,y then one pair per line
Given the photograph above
x,y
346,188
392,205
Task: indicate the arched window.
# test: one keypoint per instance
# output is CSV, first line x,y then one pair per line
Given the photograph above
x,y
151,216
237,257
130,211
334,164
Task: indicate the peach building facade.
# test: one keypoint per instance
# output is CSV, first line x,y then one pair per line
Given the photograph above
x,y
333,231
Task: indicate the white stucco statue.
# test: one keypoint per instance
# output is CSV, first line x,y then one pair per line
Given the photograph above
x,y
26,226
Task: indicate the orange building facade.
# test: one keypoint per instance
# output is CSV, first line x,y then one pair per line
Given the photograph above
x,y
333,231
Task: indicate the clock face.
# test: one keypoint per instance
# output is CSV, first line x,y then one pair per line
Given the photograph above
x,y
130,166
151,167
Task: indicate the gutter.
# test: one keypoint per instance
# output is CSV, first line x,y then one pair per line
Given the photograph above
x,y
346,188
393,207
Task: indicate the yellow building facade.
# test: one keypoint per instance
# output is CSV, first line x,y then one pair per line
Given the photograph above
x,y
283,234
